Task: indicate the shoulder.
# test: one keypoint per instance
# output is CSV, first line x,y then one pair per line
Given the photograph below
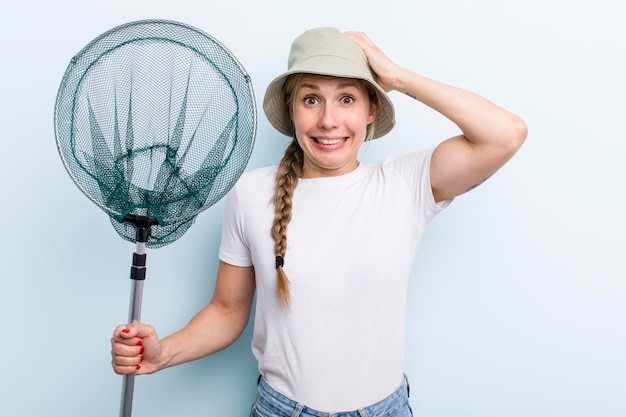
x,y
408,166
411,174
255,184
411,160
260,177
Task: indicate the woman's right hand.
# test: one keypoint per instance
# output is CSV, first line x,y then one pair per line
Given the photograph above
x,y
135,348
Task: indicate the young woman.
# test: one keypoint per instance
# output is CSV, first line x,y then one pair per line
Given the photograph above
x,y
328,243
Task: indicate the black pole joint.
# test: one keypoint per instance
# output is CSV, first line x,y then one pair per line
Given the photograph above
x,y
142,224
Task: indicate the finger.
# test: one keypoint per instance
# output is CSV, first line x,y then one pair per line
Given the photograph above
x,y
127,350
140,330
124,331
361,39
127,369
120,338
118,360
127,362
134,332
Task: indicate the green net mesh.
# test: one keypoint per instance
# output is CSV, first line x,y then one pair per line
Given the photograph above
x,y
155,118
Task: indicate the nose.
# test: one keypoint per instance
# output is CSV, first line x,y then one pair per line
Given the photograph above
x,y
328,117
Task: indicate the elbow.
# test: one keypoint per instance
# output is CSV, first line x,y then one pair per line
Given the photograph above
x,y
520,132
515,135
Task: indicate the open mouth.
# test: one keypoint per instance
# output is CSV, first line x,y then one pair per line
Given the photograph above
x,y
329,141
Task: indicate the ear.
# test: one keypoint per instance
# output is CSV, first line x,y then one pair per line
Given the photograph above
x,y
373,112
292,125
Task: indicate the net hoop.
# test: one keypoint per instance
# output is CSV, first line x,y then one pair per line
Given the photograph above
x,y
124,192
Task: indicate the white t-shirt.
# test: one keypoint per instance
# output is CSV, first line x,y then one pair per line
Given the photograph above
x,y
351,245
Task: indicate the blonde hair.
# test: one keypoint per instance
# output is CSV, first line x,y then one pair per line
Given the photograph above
x,y
289,172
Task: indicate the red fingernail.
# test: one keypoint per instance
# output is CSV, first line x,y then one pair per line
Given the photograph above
x,y
141,350
139,343
138,367
141,358
126,331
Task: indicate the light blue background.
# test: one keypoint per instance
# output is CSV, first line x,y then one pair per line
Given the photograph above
x,y
517,306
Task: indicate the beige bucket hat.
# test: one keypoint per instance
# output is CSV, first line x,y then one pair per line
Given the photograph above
x,y
326,51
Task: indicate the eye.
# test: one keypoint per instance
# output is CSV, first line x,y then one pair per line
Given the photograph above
x,y
310,100
347,100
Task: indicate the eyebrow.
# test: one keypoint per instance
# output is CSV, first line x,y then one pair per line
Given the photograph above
x,y
345,84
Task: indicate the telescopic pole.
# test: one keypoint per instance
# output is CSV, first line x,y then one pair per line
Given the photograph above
x,y
137,276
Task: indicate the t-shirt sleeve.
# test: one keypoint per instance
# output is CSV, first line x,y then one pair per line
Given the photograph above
x,y
234,249
414,169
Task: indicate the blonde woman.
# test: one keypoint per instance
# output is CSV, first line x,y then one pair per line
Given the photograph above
x,y
327,243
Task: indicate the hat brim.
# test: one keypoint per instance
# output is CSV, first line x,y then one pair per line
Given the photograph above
x,y
278,115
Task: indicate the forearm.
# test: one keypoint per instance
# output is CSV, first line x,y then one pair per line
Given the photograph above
x,y
480,120
211,330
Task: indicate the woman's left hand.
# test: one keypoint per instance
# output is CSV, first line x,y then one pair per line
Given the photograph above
x,y
386,70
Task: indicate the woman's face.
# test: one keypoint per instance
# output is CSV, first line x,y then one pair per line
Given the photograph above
x,y
330,116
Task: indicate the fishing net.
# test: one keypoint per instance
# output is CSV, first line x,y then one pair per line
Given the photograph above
x,y
155,122
155,119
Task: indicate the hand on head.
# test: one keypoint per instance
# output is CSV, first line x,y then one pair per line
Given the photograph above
x,y
135,348
386,70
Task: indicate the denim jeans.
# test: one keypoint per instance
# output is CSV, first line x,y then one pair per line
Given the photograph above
x,y
270,403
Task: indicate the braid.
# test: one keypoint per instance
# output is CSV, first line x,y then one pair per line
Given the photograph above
x,y
289,171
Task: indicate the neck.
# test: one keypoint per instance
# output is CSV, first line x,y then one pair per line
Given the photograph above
x,y
320,172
